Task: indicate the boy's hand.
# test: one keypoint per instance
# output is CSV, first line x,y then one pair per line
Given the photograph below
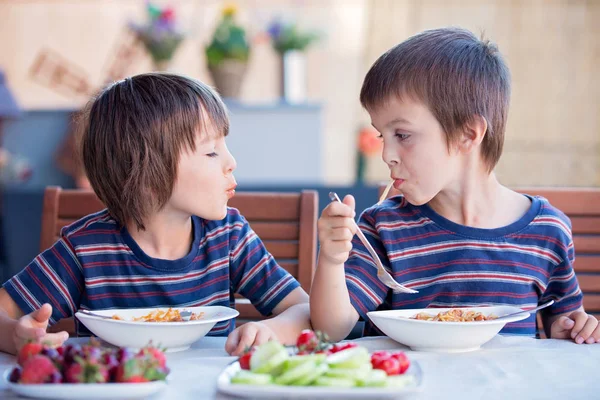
x,y
578,326
336,230
33,327
248,335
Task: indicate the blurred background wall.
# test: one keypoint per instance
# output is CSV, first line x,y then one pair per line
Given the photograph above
x,y
552,48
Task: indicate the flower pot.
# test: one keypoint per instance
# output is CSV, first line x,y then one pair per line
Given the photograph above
x,y
228,77
293,76
161,65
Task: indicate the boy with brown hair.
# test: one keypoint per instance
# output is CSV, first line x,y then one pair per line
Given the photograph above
x,y
155,154
440,102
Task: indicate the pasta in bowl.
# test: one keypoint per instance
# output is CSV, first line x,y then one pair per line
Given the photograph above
x,y
136,327
444,329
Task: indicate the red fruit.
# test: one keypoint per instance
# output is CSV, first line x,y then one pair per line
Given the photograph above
x,y
15,374
390,365
124,354
377,356
244,359
342,346
132,370
27,351
403,360
86,371
307,341
154,355
38,369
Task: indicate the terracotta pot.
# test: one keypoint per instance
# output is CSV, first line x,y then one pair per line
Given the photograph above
x,y
228,77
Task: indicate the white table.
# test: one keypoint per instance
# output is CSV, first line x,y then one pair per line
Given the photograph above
x,y
508,367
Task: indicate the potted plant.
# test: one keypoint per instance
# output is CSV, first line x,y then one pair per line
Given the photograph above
x,y
227,54
160,35
290,43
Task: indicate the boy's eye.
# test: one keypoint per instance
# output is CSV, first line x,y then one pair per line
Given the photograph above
x,y
401,136
213,154
380,136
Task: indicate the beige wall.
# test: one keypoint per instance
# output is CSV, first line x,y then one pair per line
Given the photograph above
x,y
552,48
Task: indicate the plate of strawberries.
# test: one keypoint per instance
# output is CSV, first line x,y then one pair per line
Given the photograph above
x,y
90,370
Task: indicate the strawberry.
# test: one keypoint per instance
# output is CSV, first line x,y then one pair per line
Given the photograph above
x,y
86,371
403,360
309,342
244,359
131,370
153,354
38,369
29,350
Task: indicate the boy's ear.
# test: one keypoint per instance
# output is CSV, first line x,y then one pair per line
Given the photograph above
x,y
474,131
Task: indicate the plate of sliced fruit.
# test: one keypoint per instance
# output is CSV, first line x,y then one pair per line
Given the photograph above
x,y
319,369
88,371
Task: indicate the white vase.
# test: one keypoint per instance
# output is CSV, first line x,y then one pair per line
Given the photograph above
x,y
293,76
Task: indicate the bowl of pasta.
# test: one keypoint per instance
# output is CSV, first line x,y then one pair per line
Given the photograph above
x,y
444,329
165,327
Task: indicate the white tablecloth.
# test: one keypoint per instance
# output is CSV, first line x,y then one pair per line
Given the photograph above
x,y
507,367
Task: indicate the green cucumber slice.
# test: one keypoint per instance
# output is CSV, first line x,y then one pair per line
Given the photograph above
x,y
268,358
376,377
310,378
250,378
298,372
349,358
334,382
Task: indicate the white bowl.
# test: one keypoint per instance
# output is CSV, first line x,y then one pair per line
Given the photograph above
x,y
174,336
450,337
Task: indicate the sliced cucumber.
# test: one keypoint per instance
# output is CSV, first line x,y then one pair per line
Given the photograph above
x,y
334,382
358,374
349,358
298,372
376,377
310,378
268,358
293,361
250,378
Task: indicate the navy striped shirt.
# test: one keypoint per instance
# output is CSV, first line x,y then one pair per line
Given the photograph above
x,y
523,264
97,265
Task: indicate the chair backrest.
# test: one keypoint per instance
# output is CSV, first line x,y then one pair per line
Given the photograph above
x,y
582,206
286,222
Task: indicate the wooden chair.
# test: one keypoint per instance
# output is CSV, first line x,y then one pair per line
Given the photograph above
x,y
582,206
286,222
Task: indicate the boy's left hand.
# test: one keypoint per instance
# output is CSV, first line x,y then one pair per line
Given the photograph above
x,y
248,335
578,326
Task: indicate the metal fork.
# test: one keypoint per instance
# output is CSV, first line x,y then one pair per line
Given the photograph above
x,y
382,273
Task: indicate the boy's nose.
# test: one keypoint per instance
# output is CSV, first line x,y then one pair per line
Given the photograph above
x,y
390,157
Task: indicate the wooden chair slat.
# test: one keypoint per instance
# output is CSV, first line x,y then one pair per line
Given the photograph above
x,y
276,230
586,244
587,263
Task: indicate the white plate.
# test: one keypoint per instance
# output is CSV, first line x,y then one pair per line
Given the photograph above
x,y
450,337
86,391
224,385
174,336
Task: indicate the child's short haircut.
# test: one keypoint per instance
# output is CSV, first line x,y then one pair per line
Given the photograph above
x,y
133,135
455,74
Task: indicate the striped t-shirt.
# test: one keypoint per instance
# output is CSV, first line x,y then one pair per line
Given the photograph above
x,y
97,265
523,264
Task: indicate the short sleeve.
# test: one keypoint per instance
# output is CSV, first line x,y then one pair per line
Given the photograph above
x,y
563,287
365,290
254,272
55,277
